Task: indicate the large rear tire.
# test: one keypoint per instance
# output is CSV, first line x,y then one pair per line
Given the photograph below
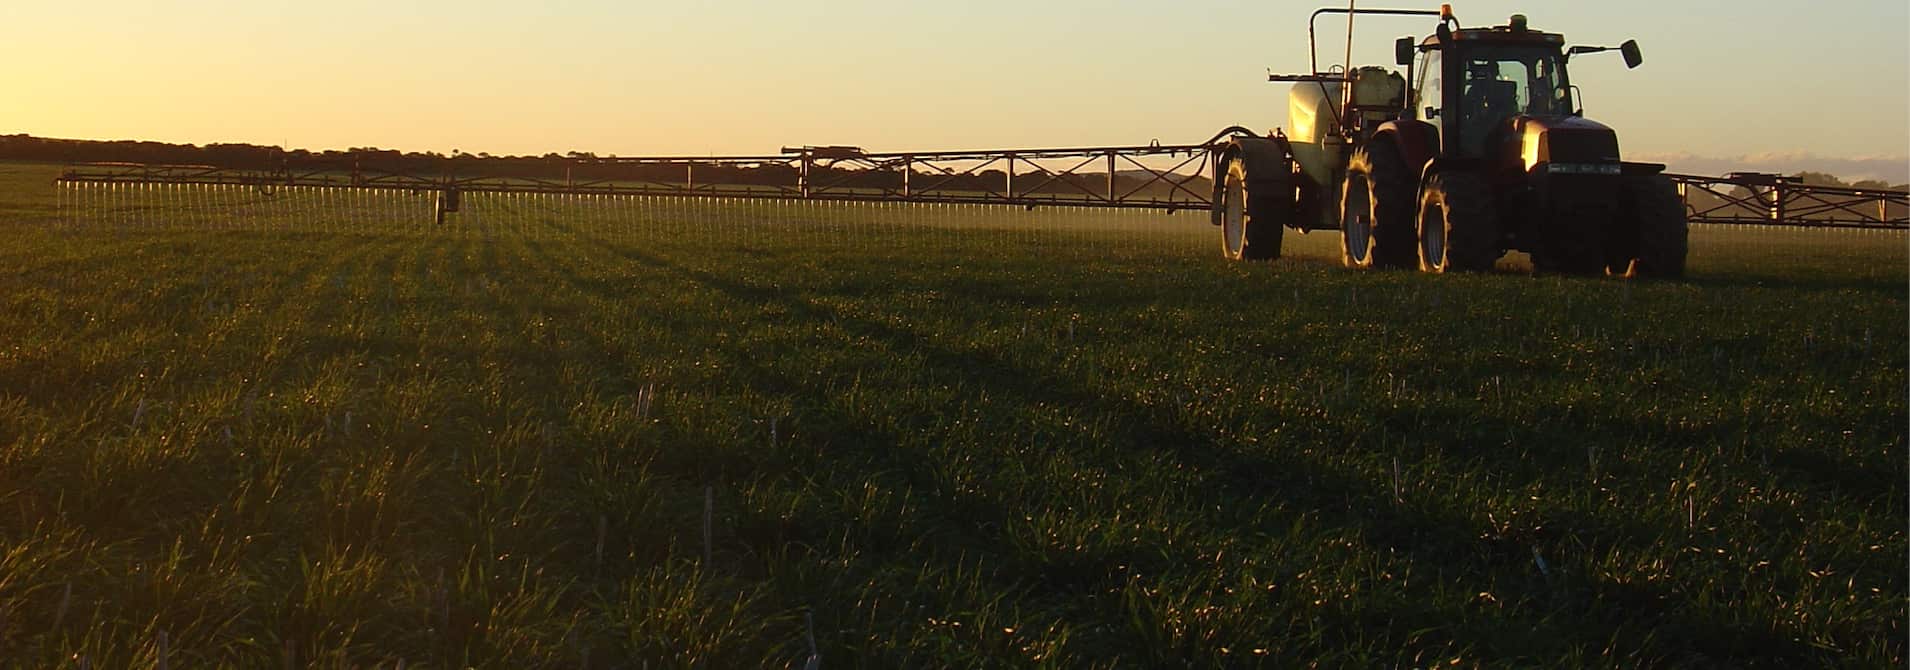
x,y
1458,225
1254,203
1662,238
1376,209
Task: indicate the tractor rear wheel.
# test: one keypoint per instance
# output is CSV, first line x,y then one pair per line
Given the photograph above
x,y
1662,236
1458,228
1376,209
1254,203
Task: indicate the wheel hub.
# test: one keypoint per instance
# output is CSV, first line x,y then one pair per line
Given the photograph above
x,y
1432,238
1356,223
1233,220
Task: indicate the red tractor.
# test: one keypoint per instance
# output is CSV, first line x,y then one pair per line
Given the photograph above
x,y
1479,149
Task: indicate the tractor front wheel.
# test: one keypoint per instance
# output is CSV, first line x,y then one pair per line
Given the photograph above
x,y
1458,229
1662,238
1574,239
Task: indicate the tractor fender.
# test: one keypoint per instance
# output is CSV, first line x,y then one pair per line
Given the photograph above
x,y
1269,162
1418,141
1631,169
1440,164
1443,163
1268,159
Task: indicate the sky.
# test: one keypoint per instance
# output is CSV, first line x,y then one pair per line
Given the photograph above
x,y
1757,84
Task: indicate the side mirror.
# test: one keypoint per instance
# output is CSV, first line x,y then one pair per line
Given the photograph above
x,y
1403,51
1632,57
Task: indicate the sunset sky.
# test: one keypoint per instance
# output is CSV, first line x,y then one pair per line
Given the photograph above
x,y
1757,84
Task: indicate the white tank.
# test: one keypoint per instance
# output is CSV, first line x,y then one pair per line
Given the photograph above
x,y
1313,110
1313,107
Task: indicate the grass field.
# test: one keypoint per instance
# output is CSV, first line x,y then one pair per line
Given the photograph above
x,y
545,436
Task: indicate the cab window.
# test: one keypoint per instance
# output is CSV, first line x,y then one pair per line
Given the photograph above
x,y
1428,88
1503,82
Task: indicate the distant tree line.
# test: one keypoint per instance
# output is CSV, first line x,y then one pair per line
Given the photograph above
x,y
29,148
1822,179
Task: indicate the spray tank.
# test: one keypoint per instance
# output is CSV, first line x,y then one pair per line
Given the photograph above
x,y
1313,115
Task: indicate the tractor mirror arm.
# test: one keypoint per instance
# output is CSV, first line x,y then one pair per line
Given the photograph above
x,y
1633,58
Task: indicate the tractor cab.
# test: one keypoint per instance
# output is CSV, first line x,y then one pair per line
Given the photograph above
x,y
1472,82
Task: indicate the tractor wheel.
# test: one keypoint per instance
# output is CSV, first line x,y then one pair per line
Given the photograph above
x,y
1458,228
1254,203
1662,236
1573,240
1376,209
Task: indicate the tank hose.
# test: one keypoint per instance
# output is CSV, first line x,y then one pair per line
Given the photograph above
x,y
1231,131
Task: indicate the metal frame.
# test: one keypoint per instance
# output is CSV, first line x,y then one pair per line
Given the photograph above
x,y
1766,199
1154,176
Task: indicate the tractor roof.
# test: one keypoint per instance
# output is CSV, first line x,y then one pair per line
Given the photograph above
x,y
1514,32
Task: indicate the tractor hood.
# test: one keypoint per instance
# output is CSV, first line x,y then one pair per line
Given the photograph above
x,y
1565,140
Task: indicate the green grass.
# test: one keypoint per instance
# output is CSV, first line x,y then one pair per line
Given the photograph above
x,y
931,439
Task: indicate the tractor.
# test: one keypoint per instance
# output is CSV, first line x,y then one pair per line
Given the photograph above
x,y
1480,148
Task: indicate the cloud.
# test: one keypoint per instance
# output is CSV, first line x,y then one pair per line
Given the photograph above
x,y
1892,169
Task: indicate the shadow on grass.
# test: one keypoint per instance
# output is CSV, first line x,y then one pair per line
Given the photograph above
x,y
1573,613
1436,537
